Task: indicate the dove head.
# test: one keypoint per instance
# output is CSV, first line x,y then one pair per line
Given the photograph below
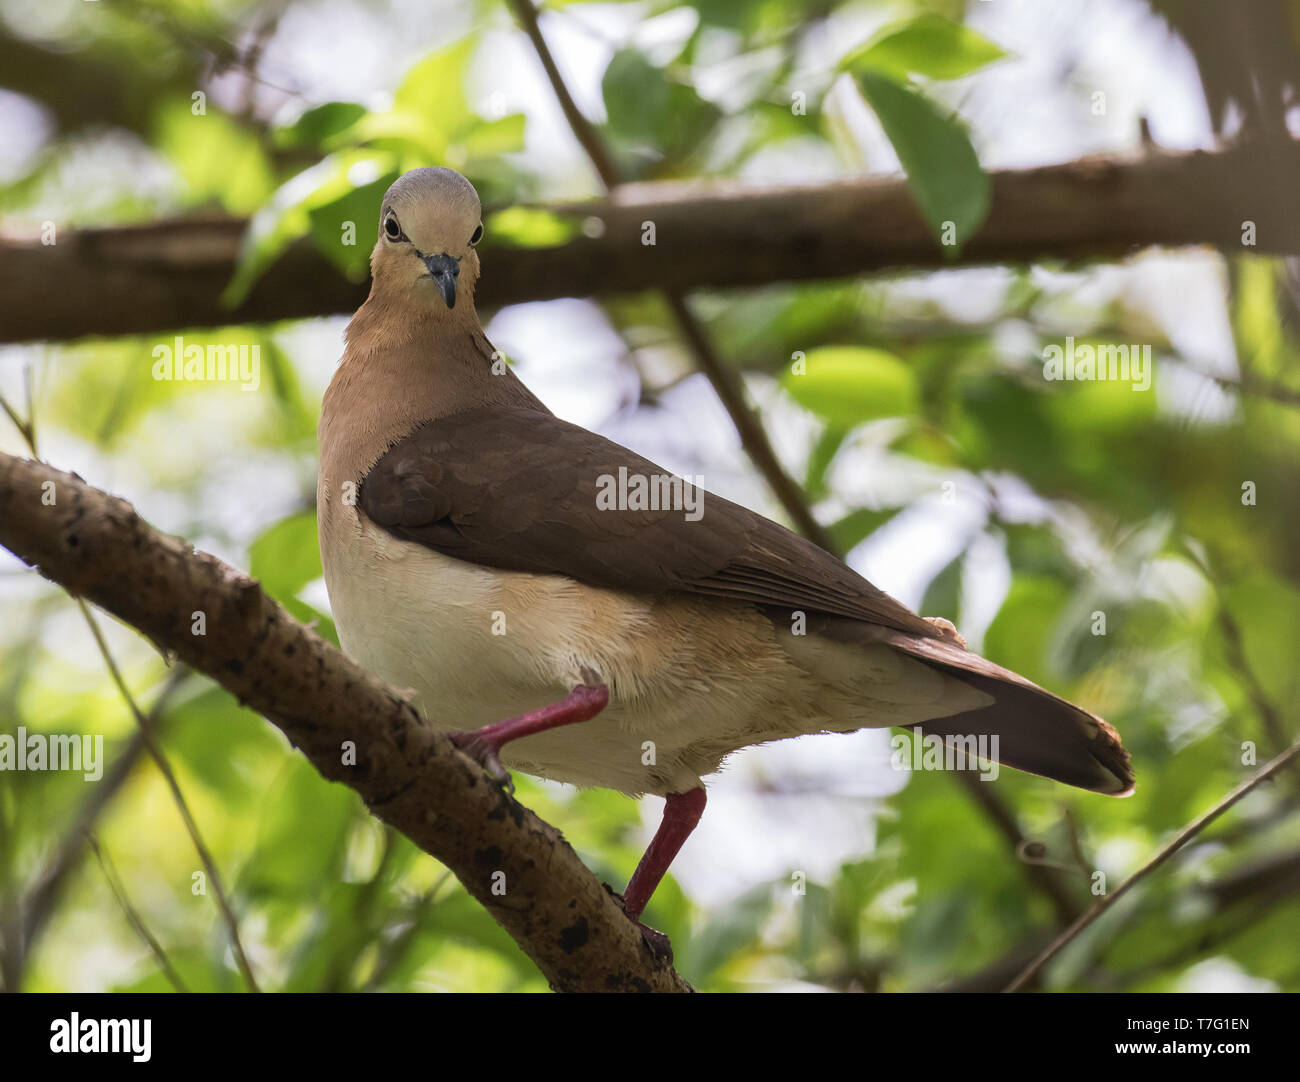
x,y
429,222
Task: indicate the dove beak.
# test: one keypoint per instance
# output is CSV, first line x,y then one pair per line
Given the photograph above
x,y
444,270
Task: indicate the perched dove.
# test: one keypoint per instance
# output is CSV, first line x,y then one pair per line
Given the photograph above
x,y
475,551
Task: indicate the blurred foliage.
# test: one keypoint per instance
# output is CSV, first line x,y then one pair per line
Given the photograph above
x,y
1091,498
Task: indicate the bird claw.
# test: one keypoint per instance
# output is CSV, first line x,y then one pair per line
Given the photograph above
x,y
660,945
947,629
472,744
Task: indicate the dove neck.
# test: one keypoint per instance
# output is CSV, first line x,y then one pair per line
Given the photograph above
x,y
396,375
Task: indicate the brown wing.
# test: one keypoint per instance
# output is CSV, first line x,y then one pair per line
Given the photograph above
x,y
521,490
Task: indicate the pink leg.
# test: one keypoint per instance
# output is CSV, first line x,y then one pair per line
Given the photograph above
x,y
681,813
484,745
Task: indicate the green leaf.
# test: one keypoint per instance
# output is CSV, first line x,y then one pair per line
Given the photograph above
x,y
846,385
286,557
489,138
529,227
734,929
197,969
928,45
1026,623
1093,407
819,462
435,85
651,115
859,524
341,228
287,216
943,595
935,150
320,126
429,105
219,159
291,862
1004,426
1266,608
222,744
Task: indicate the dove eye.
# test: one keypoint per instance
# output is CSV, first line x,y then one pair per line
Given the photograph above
x,y
478,235
392,230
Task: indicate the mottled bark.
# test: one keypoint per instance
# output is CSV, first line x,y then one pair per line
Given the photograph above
x,y
97,547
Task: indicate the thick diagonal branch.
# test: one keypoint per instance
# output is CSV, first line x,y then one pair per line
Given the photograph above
x,y
354,729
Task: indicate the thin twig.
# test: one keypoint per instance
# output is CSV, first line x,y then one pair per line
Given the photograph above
x,y
132,916
1174,845
156,752
726,384
753,437
28,431
40,902
999,813
1268,713
582,128
358,933
397,947
28,436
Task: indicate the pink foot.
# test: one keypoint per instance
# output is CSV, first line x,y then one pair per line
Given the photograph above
x,y
484,745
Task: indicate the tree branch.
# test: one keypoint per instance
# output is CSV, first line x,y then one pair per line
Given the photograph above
x,y
410,776
1165,853
169,275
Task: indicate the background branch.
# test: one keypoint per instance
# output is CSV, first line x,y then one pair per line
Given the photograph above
x,y
41,900
178,798
170,274
1173,846
133,915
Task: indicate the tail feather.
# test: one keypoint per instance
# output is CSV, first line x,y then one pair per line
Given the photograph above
x,y
1037,731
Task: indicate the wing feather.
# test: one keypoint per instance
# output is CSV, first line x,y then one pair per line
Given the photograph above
x,y
517,489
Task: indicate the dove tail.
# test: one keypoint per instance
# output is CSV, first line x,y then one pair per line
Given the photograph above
x,y
1036,731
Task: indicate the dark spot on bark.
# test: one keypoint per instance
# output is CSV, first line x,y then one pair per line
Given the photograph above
x,y
289,650
72,541
575,936
489,857
235,666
